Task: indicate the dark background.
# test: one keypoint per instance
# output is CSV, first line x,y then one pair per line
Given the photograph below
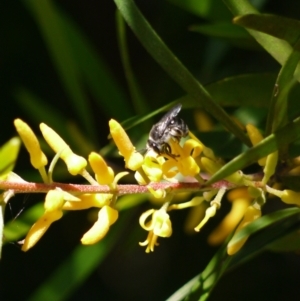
x,y
127,273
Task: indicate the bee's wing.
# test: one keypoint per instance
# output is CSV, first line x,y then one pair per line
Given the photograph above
x,y
172,113
164,123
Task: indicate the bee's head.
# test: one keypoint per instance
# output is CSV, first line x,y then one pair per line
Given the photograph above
x,y
153,145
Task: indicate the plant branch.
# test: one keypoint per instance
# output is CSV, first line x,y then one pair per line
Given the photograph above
x,y
29,187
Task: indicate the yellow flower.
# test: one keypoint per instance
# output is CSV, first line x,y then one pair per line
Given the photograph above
x,y
270,167
104,173
152,168
53,211
75,164
240,201
106,217
39,228
133,159
184,162
252,213
54,200
215,204
210,212
159,225
37,157
290,197
88,200
255,137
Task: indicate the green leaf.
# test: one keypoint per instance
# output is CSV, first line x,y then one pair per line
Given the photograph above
x,y
251,90
172,65
221,30
227,31
278,114
243,90
8,155
276,26
185,290
276,141
277,48
139,102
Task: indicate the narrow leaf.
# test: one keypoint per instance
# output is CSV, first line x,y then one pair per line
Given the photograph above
x,y
8,155
277,48
139,102
278,114
171,64
274,142
276,26
221,30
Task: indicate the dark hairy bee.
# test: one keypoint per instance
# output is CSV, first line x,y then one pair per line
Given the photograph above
x,y
169,127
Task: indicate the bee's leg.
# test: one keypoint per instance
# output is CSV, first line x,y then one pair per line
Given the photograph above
x,y
166,149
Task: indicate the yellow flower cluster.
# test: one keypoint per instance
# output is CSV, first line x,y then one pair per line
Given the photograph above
x,y
57,200
186,162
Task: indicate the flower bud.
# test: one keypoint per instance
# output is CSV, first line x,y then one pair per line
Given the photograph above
x,y
37,157
133,159
162,224
75,164
255,137
270,166
290,197
210,212
104,173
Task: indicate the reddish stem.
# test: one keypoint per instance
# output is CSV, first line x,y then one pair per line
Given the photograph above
x,y
28,187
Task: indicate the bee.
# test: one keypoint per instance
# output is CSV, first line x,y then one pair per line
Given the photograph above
x,y
169,127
